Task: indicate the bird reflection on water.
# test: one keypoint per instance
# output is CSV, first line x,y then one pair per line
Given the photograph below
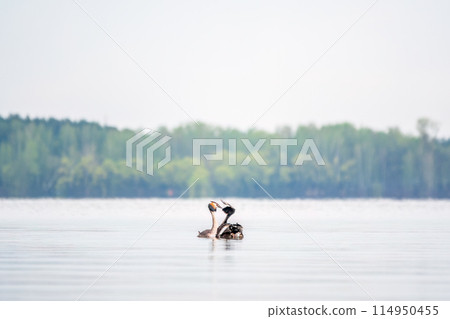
x,y
226,244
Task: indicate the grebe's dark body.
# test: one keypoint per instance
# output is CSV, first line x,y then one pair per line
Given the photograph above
x,y
231,231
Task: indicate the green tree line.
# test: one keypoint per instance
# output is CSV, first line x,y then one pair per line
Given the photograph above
x,y
62,158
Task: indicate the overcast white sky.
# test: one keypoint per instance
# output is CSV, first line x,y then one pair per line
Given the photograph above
x,y
225,62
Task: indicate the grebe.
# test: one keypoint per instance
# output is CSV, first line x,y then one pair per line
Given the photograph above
x,y
211,233
226,230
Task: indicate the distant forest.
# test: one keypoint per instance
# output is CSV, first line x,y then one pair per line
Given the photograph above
x,y
62,158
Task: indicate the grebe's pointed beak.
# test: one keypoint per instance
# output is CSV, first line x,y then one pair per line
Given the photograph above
x,y
217,204
225,203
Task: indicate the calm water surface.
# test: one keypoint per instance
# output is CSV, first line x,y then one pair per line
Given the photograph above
x,y
55,249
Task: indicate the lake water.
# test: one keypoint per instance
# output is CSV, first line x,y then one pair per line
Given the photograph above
x,y
353,250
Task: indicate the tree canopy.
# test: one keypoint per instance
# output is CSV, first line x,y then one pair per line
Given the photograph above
x,y
62,158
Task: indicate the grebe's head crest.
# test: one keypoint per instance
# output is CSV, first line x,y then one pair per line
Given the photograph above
x,y
213,206
228,209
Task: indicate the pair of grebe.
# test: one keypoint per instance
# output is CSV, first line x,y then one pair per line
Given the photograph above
x,y
224,230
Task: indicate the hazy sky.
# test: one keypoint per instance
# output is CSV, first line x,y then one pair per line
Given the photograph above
x,y
225,62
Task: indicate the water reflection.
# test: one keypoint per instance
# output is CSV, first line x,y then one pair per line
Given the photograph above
x,y
226,244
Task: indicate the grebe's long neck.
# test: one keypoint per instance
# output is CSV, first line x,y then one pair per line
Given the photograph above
x,y
226,218
214,224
